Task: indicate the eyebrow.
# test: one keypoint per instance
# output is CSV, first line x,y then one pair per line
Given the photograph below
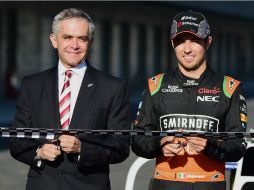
x,y
69,35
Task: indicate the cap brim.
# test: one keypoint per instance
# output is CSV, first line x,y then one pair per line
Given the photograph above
x,y
189,32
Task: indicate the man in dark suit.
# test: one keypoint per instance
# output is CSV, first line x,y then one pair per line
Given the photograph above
x,y
72,95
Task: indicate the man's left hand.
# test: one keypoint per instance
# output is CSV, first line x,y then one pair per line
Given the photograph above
x,y
70,144
198,144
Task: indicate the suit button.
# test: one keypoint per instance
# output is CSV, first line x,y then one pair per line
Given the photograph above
x,y
60,173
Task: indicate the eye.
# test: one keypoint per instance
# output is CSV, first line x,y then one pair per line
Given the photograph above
x,y
198,41
178,41
84,39
195,41
67,37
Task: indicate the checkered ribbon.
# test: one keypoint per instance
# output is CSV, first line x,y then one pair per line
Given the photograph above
x,y
34,133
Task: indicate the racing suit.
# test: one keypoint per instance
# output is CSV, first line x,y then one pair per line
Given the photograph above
x,y
211,103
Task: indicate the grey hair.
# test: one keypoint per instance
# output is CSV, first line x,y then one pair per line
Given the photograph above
x,y
73,13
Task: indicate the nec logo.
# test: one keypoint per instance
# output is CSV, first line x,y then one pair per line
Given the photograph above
x,y
208,98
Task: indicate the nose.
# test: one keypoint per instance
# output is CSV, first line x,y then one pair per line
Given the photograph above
x,y
187,46
75,43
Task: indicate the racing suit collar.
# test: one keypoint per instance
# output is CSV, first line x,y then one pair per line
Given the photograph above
x,y
191,82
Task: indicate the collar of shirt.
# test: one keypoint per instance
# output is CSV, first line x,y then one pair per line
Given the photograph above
x,y
78,73
79,69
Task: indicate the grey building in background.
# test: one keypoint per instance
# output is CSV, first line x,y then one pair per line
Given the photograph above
x,y
131,39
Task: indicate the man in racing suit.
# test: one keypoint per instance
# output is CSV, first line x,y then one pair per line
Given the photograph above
x,y
191,98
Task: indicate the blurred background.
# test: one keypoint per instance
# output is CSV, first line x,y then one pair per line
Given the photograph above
x,y
131,42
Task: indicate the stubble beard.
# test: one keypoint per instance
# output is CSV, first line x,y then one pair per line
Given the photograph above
x,y
195,67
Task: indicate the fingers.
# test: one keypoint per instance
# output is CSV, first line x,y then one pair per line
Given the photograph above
x,y
170,147
49,152
197,143
196,148
70,144
167,140
171,150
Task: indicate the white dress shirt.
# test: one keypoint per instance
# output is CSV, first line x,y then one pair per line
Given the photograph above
x,y
78,73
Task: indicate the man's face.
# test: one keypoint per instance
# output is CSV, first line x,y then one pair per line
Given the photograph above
x,y
72,42
190,51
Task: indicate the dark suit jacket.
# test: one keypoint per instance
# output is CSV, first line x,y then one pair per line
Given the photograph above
x,y
102,103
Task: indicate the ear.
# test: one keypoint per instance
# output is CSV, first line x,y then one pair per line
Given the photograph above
x,y
208,42
53,40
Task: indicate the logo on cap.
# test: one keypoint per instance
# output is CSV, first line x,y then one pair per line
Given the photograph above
x,y
190,22
188,18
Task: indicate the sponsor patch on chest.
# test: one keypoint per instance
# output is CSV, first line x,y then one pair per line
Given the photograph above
x,y
189,122
208,98
172,88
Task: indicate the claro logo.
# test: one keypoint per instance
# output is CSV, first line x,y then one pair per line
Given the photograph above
x,y
214,90
208,98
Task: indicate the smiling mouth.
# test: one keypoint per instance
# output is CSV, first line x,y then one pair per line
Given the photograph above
x,y
73,52
188,58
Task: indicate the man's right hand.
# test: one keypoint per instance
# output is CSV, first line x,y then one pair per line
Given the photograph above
x,y
170,148
48,152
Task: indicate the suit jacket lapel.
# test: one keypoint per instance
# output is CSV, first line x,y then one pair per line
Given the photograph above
x,y
86,90
51,88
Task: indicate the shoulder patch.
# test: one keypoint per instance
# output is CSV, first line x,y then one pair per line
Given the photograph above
x,y
154,83
229,85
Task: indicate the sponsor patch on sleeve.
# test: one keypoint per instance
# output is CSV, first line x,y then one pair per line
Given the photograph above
x,y
244,118
243,111
155,83
137,120
229,85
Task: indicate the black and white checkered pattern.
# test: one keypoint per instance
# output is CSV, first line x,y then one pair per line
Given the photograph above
x,y
33,133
